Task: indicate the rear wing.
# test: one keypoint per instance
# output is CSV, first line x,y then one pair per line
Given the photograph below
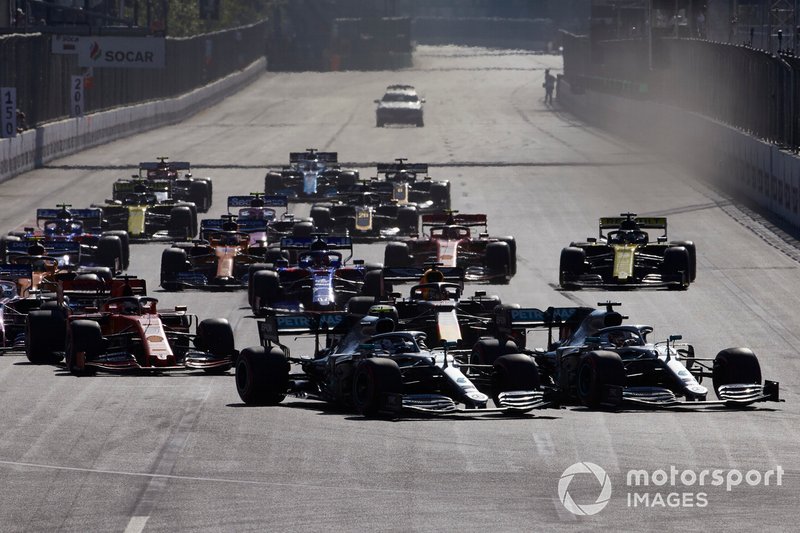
x,y
53,248
292,324
509,318
391,168
15,272
97,290
435,219
158,165
304,243
325,157
613,223
269,201
91,217
413,274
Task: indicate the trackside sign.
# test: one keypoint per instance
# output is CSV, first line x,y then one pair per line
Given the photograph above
x,y
121,52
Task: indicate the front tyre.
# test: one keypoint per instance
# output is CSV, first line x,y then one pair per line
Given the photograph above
x,y
262,377
372,380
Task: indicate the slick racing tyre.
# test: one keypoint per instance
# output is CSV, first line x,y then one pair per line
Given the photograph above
x,y
597,371
45,336
396,255
200,195
487,350
126,247
110,253
373,284
692,251
215,336
273,182
735,366
180,222
173,262
266,289
322,218
676,266
262,377
84,341
251,272
572,264
514,372
498,261
372,380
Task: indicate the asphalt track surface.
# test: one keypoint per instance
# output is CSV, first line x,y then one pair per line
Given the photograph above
x,y
181,452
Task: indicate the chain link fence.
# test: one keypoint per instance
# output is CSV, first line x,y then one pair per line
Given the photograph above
x,y
42,78
749,89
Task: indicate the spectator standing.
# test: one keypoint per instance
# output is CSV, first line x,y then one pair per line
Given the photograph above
x,y
549,84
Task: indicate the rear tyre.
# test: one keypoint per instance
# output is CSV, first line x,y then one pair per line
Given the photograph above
x,y
266,289
251,272
173,262
440,194
396,255
200,195
735,365
487,350
273,182
360,305
373,284
109,253
512,250
408,220
372,380
45,336
498,261
597,371
180,222
303,229
126,246
262,377
322,218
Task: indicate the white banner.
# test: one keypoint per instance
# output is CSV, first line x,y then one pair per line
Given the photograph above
x,y
122,52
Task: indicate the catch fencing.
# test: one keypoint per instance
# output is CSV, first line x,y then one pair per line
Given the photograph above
x,y
752,90
42,77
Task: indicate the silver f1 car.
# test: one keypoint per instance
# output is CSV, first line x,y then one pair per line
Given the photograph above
x,y
376,370
600,362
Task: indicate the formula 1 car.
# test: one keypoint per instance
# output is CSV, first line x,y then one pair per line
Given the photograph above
x,y
366,216
256,216
311,175
435,305
129,334
319,280
221,261
410,183
400,104
449,241
48,312
145,217
163,177
599,362
626,257
74,236
378,371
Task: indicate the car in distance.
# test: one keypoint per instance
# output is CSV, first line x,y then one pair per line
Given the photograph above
x,y
399,105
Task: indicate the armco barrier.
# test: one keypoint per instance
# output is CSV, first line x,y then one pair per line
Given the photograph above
x,y
35,147
724,155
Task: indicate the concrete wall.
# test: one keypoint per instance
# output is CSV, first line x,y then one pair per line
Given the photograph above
x,y
724,155
36,147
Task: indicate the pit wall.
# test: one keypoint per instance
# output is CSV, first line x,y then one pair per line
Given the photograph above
x,y
728,157
36,147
